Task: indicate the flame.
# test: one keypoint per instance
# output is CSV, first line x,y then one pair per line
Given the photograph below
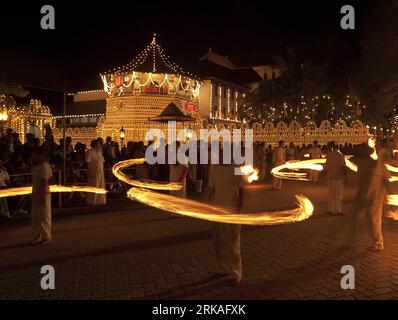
x,y
205,211
249,171
350,165
392,215
372,144
21,191
394,169
149,184
312,164
391,168
392,199
199,210
253,176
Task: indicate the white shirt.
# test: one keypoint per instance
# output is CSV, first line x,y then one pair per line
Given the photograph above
x,y
279,156
335,163
40,172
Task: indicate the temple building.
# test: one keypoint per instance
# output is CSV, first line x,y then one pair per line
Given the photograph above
x,y
31,117
136,93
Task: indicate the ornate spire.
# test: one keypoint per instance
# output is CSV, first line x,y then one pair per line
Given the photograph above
x,y
160,61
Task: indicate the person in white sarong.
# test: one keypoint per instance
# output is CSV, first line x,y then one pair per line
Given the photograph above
x,y
95,171
335,171
278,158
361,209
225,189
315,153
178,173
377,194
41,198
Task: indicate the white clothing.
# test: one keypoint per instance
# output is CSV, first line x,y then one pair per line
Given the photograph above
x,y
223,190
335,164
315,153
95,167
377,193
279,156
41,208
336,188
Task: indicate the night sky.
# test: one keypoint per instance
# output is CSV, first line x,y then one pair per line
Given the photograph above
x,y
93,36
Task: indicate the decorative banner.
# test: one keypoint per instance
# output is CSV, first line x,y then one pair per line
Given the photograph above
x,y
153,88
190,106
119,81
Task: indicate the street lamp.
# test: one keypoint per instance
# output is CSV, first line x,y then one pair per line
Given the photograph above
x,y
122,134
3,112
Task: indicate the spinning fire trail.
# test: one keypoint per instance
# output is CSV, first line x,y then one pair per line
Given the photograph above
x,y
196,209
21,191
312,164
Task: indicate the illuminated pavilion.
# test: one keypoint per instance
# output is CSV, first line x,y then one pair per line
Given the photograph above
x,y
140,90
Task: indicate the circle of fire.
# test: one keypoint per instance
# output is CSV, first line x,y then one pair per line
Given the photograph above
x,y
141,191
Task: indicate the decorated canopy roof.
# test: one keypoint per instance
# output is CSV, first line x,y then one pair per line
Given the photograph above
x,y
151,72
172,113
152,59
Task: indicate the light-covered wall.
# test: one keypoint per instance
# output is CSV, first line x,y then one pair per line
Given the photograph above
x,y
220,100
204,99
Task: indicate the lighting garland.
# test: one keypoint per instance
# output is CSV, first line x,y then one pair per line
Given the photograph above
x,y
307,109
153,48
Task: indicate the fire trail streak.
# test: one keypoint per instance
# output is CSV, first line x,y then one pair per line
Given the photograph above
x,y
21,191
392,199
250,172
200,210
312,164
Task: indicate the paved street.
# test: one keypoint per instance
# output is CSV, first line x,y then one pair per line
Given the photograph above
x,y
137,252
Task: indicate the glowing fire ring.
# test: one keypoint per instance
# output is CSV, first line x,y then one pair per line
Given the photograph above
x,y
195,209
21,191
312,164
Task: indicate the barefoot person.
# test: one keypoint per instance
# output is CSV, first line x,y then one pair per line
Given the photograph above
x,y
41,197
225,189
366,166
377,193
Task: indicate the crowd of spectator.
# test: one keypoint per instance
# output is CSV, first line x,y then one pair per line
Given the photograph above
x,y
16,162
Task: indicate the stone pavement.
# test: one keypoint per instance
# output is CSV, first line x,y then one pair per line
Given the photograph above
x,y
136,253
